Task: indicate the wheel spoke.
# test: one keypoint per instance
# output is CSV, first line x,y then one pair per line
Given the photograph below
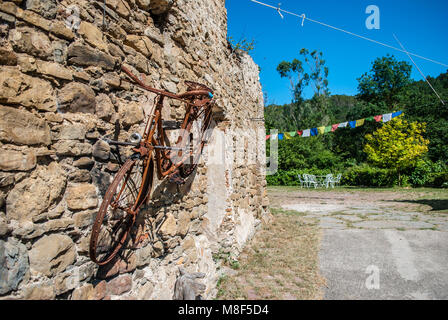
x,y
114,220
198,124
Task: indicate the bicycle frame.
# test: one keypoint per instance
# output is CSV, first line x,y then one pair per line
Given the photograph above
x,y
154,143
151,154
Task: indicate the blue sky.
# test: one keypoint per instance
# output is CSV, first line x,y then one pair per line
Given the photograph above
x,y
420,25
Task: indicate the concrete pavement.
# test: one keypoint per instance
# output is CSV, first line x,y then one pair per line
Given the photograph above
x,y
373,252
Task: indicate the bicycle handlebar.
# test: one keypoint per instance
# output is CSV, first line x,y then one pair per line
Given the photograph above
x,y
164,92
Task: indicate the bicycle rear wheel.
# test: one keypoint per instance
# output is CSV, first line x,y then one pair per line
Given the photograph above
x,y
197,125
117,212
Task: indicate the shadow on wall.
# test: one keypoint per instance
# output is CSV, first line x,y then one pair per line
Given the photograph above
x,y
146,230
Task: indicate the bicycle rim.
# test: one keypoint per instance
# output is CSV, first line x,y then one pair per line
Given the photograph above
x,y
197,127
117,213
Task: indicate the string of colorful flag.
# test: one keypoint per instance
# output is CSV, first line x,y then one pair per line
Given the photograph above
x,y
326,129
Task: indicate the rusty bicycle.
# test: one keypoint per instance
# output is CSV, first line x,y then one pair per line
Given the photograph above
x,y
131,187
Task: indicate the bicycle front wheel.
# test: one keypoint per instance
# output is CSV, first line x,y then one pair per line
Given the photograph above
x,y
117,213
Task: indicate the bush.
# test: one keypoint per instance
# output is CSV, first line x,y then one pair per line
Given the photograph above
x,y
439,180
305,154
425,173
367,176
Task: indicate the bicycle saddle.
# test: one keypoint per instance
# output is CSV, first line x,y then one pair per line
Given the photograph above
x,y
196,86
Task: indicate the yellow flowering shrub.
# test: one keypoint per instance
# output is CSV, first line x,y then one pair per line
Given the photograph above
x,y
398,145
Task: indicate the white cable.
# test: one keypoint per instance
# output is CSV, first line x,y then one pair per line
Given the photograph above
x,y
424,77
348,32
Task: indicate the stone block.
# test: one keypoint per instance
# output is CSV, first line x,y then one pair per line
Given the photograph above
x,y
52,254
92,35
75,131
72,148
11,160
86,292
119,285
46,8
82,197
101,150
84,218
130,113
34,195
31,41
39,291
17,88
83,55
76,97
14,264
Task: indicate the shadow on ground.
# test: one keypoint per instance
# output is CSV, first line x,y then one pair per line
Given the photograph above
x,y
435,204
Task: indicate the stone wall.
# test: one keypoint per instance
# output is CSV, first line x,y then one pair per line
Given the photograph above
x,y
60,92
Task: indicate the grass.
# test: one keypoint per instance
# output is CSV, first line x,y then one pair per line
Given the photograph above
x,y
227,260
280,263
277,211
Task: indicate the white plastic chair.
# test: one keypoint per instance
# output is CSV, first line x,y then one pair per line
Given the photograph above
x,y
306,180
312,181
302,182
337,180
328,181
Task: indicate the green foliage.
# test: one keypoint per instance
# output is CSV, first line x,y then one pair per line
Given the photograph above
x,y
421,104
227,259
439,180
298,78
367,176
302,153
425,172
386,80
306,114
398,144
318,71
317,74
242,44
299,156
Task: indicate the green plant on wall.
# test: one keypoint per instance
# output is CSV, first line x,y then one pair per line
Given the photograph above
x,y
399,144
242,44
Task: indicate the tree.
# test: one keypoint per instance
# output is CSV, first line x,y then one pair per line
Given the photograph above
x,y
300,74
421,104
297,76
398,145
386,80
319,73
